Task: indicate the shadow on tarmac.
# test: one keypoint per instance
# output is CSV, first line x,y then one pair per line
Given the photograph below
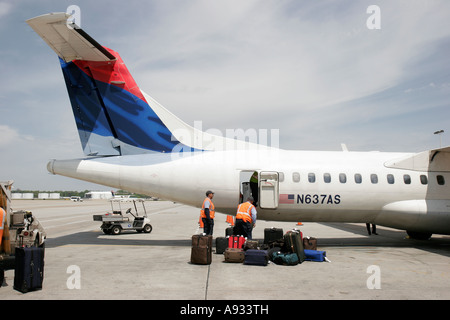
x,y
386,238
94,238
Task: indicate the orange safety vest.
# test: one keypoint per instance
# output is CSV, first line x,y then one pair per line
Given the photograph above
x,y
211,209
244,212
2,222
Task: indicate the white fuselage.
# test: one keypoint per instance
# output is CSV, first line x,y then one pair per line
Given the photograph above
x,y
323,186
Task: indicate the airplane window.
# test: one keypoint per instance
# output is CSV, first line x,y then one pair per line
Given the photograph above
x,y
358,178
281,176
423,179
390,179
296,177
374,178
312,177
440,180
327,177
342,177
407,179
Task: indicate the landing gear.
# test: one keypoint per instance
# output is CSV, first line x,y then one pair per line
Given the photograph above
x,y
419,235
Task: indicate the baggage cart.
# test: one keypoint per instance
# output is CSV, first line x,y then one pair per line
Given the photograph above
x,y
116,221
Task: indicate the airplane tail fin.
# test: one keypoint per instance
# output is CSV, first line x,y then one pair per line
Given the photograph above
x,y
112,115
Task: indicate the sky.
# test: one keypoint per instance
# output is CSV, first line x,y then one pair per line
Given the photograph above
x,y
321,72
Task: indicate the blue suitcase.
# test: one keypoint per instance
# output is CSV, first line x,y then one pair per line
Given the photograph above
x,y
256,257
29,269
315,255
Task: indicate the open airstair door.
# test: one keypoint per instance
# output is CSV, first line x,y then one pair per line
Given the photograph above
x,y
268,190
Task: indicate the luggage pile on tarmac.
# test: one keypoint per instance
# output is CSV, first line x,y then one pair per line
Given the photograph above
x,y
287,249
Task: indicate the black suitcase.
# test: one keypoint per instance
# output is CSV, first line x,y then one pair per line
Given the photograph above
x,y
293,242
229,231
201,251
272,234
29,269
221,244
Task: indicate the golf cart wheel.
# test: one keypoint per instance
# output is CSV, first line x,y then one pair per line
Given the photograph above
x,y
116,230
148,228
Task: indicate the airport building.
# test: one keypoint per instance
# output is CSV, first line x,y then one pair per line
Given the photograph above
x,y
99,195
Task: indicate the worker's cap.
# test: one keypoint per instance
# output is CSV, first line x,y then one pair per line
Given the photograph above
x,y
209,192
250,198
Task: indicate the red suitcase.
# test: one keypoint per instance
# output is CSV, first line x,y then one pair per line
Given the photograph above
x,y
236,242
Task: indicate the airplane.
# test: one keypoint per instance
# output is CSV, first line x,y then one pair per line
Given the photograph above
x,y
132,142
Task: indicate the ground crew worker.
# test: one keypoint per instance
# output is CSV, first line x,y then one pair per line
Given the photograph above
x,y
254,187
374,229
245,219
207,213
2,222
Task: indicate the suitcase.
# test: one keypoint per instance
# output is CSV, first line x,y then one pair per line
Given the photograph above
x,y
272,234
201,251
310,243
271,251
315,255
221,244
293,243
277,243
256,257
229,231
200,240
287,259
251,244
236,242
29,269
234,255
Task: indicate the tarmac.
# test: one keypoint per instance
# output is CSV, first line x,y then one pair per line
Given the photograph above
x,y
82,263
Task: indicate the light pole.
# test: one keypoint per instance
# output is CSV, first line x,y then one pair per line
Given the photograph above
x,y
439,132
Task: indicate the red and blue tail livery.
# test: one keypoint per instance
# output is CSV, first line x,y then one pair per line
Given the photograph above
x,y
112,115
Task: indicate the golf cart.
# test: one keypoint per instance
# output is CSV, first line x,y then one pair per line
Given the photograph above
x,y
115,222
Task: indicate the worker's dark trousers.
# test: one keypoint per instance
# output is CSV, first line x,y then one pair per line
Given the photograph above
x,y
208,226
242,228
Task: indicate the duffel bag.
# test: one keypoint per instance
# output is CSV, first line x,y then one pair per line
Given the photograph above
x,y
315,255
287,259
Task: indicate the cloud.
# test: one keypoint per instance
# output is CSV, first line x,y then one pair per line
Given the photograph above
x,y
5,8
8,136
295,57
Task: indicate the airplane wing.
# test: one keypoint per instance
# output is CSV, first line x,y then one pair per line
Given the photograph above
x,y
431,160
69,43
